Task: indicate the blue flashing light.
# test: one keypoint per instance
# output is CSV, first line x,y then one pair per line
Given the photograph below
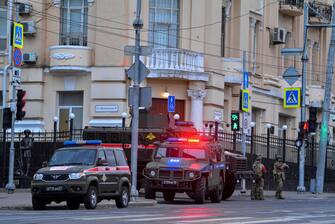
x,y
87,142
177,140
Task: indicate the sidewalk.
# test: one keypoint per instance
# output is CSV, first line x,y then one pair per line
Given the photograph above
x,y
290,195
21,199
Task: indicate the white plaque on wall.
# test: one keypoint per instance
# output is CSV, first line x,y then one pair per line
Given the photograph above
x,y
106,108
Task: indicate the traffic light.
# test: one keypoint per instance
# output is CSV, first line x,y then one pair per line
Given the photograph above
x,y
235,121
20,103
7,119
312,122
303,130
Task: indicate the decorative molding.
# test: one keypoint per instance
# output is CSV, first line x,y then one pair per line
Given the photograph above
x,y
197,94
62,56
69,68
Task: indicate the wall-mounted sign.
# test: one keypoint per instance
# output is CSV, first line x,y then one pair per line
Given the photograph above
x,y
106,108
218,116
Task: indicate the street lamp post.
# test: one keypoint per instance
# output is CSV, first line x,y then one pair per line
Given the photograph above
x,y
124,115
55,119
268,127
252,125
72,116
284,142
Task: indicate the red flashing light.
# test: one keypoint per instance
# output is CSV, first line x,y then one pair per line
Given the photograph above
x,y
193,140
127,146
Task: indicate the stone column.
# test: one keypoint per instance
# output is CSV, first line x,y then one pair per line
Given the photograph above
x,y
197,96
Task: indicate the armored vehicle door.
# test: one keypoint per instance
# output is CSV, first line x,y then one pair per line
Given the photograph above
x,y
214,175
112,175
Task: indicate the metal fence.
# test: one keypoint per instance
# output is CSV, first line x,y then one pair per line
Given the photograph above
x,y
46,142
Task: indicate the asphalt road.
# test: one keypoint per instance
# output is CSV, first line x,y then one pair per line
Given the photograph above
x,y
182,210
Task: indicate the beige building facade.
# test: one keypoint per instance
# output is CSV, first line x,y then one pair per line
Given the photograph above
x,y
74,59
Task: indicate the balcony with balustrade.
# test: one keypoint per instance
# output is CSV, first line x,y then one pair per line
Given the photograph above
x,y
176,63
319,12
291,7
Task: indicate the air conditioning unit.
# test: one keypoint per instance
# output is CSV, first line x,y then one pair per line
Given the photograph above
x,y
279,35
30,58
29,27
23,8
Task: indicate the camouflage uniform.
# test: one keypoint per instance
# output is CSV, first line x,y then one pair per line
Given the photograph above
x,y
257,188
279,176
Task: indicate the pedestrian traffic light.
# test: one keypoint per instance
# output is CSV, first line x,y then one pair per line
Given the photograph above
x,y
235,121
20,103
312,122
7,119
301,133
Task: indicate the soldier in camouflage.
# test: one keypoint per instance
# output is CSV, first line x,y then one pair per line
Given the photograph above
x,y
259,171
279,176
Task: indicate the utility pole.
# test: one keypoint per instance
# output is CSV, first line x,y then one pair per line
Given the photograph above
x,y
10,187
137,24
304,59
244,117
320,172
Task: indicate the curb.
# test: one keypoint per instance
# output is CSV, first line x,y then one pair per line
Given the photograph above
x,y
63,206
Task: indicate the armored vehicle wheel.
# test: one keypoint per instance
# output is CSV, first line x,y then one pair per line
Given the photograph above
x,y
38,204
149,193
216,195
229,185
190,194
200,191
72,204
122,200
91,198
168,195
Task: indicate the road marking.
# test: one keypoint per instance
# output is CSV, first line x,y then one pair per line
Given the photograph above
x,y
113,217
215,219
282,220
168,218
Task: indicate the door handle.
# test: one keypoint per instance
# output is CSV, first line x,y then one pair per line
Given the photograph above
x,y
117,168
107,168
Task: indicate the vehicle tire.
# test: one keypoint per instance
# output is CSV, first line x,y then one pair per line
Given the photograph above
x,y
38,204
122,201
200,191
229,186
169,195
190,194
72,204
216,195
91,198
149,193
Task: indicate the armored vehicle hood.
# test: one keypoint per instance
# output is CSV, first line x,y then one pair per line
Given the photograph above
x,y
63,169
181,163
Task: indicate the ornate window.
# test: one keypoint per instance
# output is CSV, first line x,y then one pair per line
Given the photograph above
x,y
74,15
164,23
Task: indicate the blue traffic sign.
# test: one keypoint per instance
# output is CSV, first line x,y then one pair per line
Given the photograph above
x,y
245,100
245,80
292,97
171,104
17,56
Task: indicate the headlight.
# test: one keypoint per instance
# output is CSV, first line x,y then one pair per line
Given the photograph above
x,y
38,176
191,175
75,176
152,173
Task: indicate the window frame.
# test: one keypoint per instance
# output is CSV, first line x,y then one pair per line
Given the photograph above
x,y
153,25
4,37
65,34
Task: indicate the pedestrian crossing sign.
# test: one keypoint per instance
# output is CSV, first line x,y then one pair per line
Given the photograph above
x,y
292,97
245,101
18,35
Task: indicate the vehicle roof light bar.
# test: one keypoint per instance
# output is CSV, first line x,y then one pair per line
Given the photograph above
x,y
84,142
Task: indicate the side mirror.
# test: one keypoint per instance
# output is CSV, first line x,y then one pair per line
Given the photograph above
x,y
102,163
45,164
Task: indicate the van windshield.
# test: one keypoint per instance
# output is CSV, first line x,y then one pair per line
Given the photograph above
x,y
181,153
73,157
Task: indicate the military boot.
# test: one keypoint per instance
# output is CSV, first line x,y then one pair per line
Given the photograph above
x,y
261,195
281,195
